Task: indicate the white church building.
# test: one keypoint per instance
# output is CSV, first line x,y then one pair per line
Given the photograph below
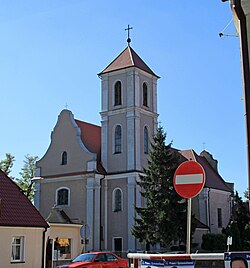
x,y
86,181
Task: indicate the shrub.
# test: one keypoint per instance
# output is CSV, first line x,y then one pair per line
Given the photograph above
x,y
214,242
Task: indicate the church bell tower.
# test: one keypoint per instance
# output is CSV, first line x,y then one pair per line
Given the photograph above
x,y
128,112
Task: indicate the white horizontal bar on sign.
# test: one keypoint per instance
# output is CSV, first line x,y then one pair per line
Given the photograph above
x,y
195,256
189,179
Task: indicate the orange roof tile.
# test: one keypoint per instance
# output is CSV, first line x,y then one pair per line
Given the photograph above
x,y
91,138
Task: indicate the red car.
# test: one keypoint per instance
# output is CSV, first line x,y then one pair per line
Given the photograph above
x,y
97,260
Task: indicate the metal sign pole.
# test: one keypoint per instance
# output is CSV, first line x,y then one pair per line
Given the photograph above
x,y
189,180
189,214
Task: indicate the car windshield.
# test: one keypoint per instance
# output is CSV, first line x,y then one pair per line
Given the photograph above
x,y
84,258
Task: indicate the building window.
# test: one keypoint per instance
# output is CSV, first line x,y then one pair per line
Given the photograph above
x,y
146,141
117,200
145,94
62,197
62,249
64,158
117,244
118,139
17,251
118,93
219,213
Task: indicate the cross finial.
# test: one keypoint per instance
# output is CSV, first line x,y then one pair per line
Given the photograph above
x,y
128,29
66,105
204,145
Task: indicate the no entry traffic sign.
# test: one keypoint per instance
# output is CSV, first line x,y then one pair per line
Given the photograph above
x,y
189,179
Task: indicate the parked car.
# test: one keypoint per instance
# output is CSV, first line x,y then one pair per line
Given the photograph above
x,y
97,260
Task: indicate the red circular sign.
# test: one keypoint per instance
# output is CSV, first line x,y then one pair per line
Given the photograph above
x,y
189,179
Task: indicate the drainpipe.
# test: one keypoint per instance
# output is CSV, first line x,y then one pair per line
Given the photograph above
x,y
43,247
101,227
208,207
236,6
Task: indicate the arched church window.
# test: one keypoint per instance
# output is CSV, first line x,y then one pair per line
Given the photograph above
x,y
117,200
145,94
146,140
118,139
118,93
64,158
62,197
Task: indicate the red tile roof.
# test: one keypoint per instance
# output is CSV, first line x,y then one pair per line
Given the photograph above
x,y
15,207
213,178
91,138
128,58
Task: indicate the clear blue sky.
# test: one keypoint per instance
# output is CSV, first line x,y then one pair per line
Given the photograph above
x,y
52,50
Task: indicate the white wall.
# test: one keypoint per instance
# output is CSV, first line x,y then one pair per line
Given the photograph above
x,y
32,246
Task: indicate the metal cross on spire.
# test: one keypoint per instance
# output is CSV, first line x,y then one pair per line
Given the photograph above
x,y
128,29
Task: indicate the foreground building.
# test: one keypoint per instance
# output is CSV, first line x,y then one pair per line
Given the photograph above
x,y
87,178
22,228
241,16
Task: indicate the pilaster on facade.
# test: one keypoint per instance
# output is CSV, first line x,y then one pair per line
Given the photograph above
x,y
130,141
137,101
38,172
155,124
130,88
104,151
154,93
97,217
37,190
105,214
203,206
133,139
105,92
91,165
131,202
138,137
90,210
93,212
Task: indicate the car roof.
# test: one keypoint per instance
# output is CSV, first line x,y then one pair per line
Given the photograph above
x,y
98,252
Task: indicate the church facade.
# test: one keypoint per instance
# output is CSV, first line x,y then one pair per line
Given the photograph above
x,y
85,184
90,172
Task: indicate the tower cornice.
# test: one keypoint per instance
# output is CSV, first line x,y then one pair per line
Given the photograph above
x,y
127,110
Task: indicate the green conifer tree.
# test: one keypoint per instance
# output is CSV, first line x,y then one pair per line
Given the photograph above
x,y
241,213
163,219
7,163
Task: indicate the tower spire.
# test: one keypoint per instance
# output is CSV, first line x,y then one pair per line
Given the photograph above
x,y
128,29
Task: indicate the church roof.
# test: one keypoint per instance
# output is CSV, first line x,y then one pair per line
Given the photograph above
x,y
213,178
91,137
15,208
128,58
